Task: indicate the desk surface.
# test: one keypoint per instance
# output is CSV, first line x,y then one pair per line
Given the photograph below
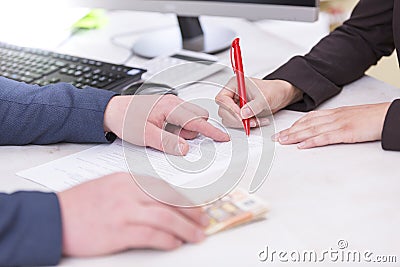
x,y
317,196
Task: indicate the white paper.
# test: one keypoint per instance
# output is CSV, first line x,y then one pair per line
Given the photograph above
x,y
105,159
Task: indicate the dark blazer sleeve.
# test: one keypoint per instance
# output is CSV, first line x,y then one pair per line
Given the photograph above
x,y
343,56
30,114
391,128
30,229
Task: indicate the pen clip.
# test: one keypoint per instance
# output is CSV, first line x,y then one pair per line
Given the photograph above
x,y
230,54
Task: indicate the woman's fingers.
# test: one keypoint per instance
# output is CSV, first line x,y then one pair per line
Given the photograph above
x,y
307,129
350,124
325,139
316,127
230,119
306,133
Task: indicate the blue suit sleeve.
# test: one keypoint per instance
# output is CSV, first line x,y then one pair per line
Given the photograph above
x,y
30,114
30,229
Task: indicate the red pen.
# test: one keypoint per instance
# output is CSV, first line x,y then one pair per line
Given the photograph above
x,y
238,70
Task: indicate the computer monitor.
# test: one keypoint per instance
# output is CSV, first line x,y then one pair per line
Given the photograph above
x,y
210,40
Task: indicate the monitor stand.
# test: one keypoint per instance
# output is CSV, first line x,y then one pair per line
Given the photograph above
x,y
190,36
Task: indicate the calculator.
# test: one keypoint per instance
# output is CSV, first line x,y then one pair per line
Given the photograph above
x,y
181,68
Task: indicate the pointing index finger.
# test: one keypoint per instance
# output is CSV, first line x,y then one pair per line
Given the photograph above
x,y
205,128
189,120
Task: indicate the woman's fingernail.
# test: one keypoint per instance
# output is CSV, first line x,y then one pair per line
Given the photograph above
x,y
246,113
283,138
275,137
253,124
301,145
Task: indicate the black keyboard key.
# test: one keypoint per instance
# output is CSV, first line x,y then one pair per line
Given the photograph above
x,y
43,67
26,79
97,71
5,74
86,69
15,77
78,73
32,75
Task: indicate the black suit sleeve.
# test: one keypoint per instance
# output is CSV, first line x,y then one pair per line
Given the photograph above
x,y
343,57
391,128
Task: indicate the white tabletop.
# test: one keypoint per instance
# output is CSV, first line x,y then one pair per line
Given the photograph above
x,y
316,196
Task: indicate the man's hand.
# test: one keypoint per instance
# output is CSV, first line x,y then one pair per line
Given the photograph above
x,y
112,214
141,120
263,97
352,124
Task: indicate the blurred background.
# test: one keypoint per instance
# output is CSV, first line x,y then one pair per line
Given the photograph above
x,y
34,28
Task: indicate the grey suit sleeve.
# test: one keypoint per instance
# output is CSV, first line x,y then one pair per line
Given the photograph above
x,y
30,222
30,114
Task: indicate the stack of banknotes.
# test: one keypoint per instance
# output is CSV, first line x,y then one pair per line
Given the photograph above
x,y
237,208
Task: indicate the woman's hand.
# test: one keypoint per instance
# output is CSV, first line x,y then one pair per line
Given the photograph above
x,y
263,98
353,124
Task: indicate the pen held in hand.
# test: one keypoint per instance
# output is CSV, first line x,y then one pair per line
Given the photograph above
x,y
237,66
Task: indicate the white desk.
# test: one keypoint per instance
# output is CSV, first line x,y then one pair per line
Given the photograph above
x,y
317,196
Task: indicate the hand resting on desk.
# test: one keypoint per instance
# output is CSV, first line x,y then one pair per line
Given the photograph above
x,y
352,124
112,214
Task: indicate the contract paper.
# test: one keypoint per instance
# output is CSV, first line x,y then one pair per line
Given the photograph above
x,y
206,161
